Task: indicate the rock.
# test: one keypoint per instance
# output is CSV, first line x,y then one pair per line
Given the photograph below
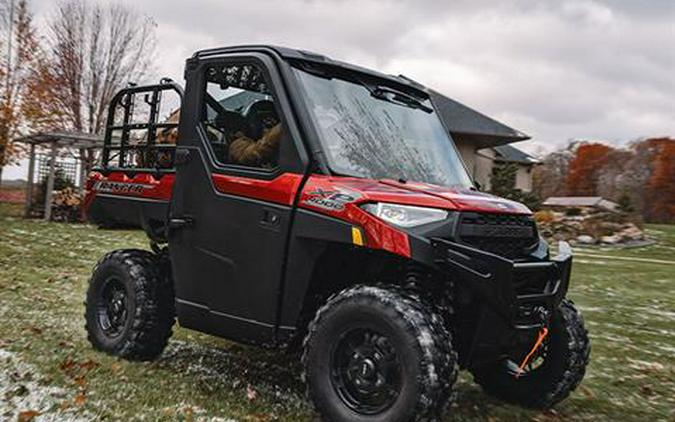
x,y
611,240
574,224
631,233
586,239
611,226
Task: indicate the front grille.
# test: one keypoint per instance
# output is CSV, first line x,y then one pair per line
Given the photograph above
x,y
509,236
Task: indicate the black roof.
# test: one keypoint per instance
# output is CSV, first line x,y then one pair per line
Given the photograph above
x,y
511,154
459,119
308,56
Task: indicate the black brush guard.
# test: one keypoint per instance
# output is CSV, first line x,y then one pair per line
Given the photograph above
x,y
520,296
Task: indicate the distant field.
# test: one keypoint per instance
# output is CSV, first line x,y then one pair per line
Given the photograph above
x,y
47,366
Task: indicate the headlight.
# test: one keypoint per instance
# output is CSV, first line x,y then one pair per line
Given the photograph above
x,y
405,215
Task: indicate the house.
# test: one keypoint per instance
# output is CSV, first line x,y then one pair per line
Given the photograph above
x,y
484,142
580,202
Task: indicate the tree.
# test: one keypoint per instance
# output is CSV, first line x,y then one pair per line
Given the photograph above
x,y
660,191
609,176
625,203
640,177
20,46
93,51
584,168
548,179
503,183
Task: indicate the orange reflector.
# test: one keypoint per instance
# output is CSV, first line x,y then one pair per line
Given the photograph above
x,y
357,237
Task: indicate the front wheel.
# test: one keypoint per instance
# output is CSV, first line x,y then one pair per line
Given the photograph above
x,y
378,354
130,305
552,374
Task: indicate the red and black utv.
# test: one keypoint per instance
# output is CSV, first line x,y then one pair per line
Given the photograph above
x,y
305,203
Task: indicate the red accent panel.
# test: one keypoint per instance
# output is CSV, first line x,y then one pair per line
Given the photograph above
x,y
149,186
461,199
280,190
378,234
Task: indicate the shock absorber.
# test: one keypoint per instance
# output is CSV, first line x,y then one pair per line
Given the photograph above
x,y
439,292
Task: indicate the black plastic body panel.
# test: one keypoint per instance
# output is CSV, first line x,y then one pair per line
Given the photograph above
x,y
312,232
228,265
515,296
226,260
125,211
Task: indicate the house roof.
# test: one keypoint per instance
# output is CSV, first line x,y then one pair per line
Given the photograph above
x,y
511,154
62,139
465,121
580,201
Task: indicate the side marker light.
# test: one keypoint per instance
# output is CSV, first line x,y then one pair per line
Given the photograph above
x,y
357,236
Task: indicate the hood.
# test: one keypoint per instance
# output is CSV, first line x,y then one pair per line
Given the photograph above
x,y
424,195
463,199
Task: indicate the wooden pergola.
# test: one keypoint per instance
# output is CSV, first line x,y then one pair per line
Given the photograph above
x,y
84,143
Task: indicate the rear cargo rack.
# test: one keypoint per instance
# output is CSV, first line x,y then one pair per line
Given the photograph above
x,y
135,140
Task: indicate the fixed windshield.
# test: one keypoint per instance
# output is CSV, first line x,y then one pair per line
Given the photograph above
x,y
376,137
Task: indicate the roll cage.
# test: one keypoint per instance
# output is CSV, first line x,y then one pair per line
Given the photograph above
x,y
120,147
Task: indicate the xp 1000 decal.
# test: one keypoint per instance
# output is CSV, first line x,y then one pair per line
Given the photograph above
x,y
331,199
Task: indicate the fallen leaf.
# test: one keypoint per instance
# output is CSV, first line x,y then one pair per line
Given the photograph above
x,y
67,365
258,417
587,392
27,415
89,364
80,399
116,368
188,414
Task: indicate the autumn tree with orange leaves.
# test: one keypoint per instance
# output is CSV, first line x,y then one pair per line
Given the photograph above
x,y
641,176
20,51
660,190
584,169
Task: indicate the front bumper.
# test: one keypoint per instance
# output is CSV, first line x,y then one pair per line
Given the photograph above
x,y
519,297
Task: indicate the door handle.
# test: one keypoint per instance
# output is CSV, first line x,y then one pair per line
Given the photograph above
x,y
180,223
270,218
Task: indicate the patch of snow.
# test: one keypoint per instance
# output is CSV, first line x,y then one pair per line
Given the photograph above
x,y
21,391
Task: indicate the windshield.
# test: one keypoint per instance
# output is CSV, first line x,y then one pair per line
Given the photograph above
x,y
373,136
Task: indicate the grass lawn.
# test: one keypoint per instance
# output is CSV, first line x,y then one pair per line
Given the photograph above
x,y
47,366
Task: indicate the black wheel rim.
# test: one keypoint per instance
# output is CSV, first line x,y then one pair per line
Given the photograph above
x,y
365,371
112,307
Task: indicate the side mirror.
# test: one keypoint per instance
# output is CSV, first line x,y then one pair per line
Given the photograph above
x,y
477,185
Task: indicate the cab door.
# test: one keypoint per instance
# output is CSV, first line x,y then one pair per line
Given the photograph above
x,y
239,166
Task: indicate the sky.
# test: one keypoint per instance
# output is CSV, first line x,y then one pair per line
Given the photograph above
x,y
556,70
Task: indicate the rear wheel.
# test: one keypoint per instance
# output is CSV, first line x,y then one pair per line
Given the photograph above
x,y
378,354
130,305
553,372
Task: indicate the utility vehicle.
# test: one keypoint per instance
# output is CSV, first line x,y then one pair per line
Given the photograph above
x,y
316,206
